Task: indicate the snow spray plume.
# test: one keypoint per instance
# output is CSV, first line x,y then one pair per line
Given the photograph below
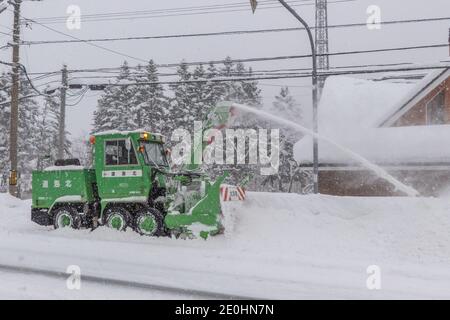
x,y
366,163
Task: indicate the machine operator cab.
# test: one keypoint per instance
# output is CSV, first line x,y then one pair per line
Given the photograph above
x,y
127,164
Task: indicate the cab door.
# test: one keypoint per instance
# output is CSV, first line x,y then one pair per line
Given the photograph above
x,y
122,175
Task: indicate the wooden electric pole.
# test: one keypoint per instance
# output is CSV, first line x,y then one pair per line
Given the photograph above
x,y
62,114
15,90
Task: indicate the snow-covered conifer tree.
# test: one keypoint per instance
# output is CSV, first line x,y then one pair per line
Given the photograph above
x,y
49,131
28,140
4,122
150,102
115,109
181,106
286,107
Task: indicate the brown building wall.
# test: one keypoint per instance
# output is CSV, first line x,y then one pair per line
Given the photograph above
x,y
365,183
417,115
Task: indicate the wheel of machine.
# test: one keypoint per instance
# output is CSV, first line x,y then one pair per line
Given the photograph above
x,y
66,217
118,218
149,222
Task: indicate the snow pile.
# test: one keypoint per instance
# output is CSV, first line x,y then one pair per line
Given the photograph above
x,y
282,246
291,224
387,229
15,213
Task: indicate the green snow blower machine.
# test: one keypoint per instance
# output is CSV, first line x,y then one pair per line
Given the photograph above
x,y
132,185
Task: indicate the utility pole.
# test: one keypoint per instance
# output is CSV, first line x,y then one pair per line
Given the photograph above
x,y
15,90
62,114
323,61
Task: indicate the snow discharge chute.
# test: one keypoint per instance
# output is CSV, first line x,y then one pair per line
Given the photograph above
x,y
380,172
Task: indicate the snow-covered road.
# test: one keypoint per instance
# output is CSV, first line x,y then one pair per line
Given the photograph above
x,y
276,246
18,285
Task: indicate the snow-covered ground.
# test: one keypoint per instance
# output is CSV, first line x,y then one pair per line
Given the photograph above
x,y
276,246
15,286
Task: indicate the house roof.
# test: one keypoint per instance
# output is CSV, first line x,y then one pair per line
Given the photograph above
x,y
415,95
351,112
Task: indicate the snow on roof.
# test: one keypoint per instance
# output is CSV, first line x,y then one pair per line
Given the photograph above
x,y
65,168
127,133
357,103
350,113
397,145
124,133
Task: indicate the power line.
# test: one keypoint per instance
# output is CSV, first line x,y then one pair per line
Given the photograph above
x,y
241,79
254,73
282,85
115,70
277,58
101,86
230,8
156,11
114,74
227,33
94,45
88,43
23,68
20,99
80,98
283,73
288,71
5,33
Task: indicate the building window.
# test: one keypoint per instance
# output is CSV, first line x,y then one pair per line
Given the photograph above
x,y
120,152
436,110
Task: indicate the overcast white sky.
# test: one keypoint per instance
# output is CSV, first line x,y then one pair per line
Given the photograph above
x,y
52,57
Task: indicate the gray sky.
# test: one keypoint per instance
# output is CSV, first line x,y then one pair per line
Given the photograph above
x,y
51,57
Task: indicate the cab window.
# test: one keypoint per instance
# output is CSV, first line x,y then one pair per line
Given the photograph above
x,y
120,152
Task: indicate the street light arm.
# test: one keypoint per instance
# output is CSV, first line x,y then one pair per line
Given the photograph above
x,y
308,29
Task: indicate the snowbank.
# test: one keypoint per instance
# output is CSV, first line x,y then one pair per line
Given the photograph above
x,y
15,213
276,246
319,226
344,227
